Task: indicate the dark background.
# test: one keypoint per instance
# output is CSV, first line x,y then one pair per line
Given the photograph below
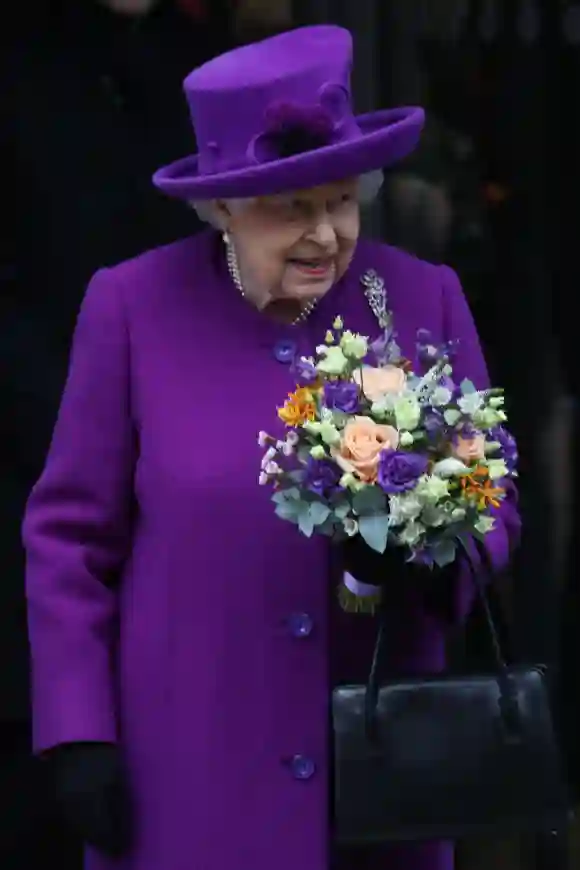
x,y
90,105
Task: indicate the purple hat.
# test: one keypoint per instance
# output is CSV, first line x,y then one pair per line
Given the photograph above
x,y
277,115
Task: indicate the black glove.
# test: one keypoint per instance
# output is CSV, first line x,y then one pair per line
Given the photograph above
x,y
392,568
368,566
91,794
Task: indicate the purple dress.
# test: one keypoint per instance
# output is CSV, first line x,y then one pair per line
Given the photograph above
x,y
169,609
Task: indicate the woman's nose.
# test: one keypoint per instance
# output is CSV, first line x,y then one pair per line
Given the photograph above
x,y
323,232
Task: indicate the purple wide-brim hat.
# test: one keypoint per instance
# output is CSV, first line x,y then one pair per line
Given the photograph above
x,y
277,115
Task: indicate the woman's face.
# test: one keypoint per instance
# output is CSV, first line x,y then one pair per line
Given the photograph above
x,y
295,246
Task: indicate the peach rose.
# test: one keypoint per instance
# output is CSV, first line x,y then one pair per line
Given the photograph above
x,y
469,450
377,382
362,442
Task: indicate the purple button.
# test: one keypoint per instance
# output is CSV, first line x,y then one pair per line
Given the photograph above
x,y
302,767
285,350
300,624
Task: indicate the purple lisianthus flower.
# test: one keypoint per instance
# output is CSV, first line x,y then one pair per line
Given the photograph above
x,y
508,447
467,431
430,352
378,348
434,423
384,349
449,384
399,471
305,370
322,476
341,396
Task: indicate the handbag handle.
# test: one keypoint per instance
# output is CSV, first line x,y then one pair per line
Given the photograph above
x,y
508,706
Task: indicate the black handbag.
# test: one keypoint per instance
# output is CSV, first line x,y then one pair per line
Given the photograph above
x,y
446,756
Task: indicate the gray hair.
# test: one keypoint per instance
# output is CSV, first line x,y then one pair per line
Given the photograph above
x,y
369,186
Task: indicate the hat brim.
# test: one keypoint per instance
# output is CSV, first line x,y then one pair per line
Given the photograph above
x,y
386,137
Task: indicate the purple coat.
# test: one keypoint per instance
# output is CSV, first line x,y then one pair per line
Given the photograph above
x,y
169,609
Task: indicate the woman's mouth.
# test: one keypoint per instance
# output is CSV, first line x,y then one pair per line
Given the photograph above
x,y
315,268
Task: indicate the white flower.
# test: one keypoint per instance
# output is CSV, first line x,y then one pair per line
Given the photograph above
x,y
352,483
450,467
487,418
407,411
272,469
441,396
384,406
428,382
432,515
470,403
292,438
326,415
350,526
484,524
404,507
411,534
329,433
318,452
457,514
334,361
406,439
287,448
451,416
263,439
431,489
268,456
354,345
263,478
497,469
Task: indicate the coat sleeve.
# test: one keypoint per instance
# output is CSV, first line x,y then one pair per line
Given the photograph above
x,y
469,363
77,530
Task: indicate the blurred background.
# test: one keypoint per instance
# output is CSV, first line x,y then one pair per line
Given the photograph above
x,y
91,104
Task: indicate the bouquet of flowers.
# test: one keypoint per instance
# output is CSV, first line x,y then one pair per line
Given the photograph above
x,y
371,448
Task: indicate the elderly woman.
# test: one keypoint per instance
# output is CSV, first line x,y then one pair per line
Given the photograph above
x,y
185,640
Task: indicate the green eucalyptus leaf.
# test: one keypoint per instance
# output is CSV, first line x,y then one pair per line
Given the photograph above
x,y
375,531
283,496
287,510
306,523
318,512
444,552
370,500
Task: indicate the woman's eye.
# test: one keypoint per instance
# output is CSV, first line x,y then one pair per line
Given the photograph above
x,y
345,199
290,208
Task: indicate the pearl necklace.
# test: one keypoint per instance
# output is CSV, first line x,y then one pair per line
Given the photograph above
x,y
234,270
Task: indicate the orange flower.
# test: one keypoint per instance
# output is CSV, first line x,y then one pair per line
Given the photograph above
x,y
362,443
478,488
299,407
